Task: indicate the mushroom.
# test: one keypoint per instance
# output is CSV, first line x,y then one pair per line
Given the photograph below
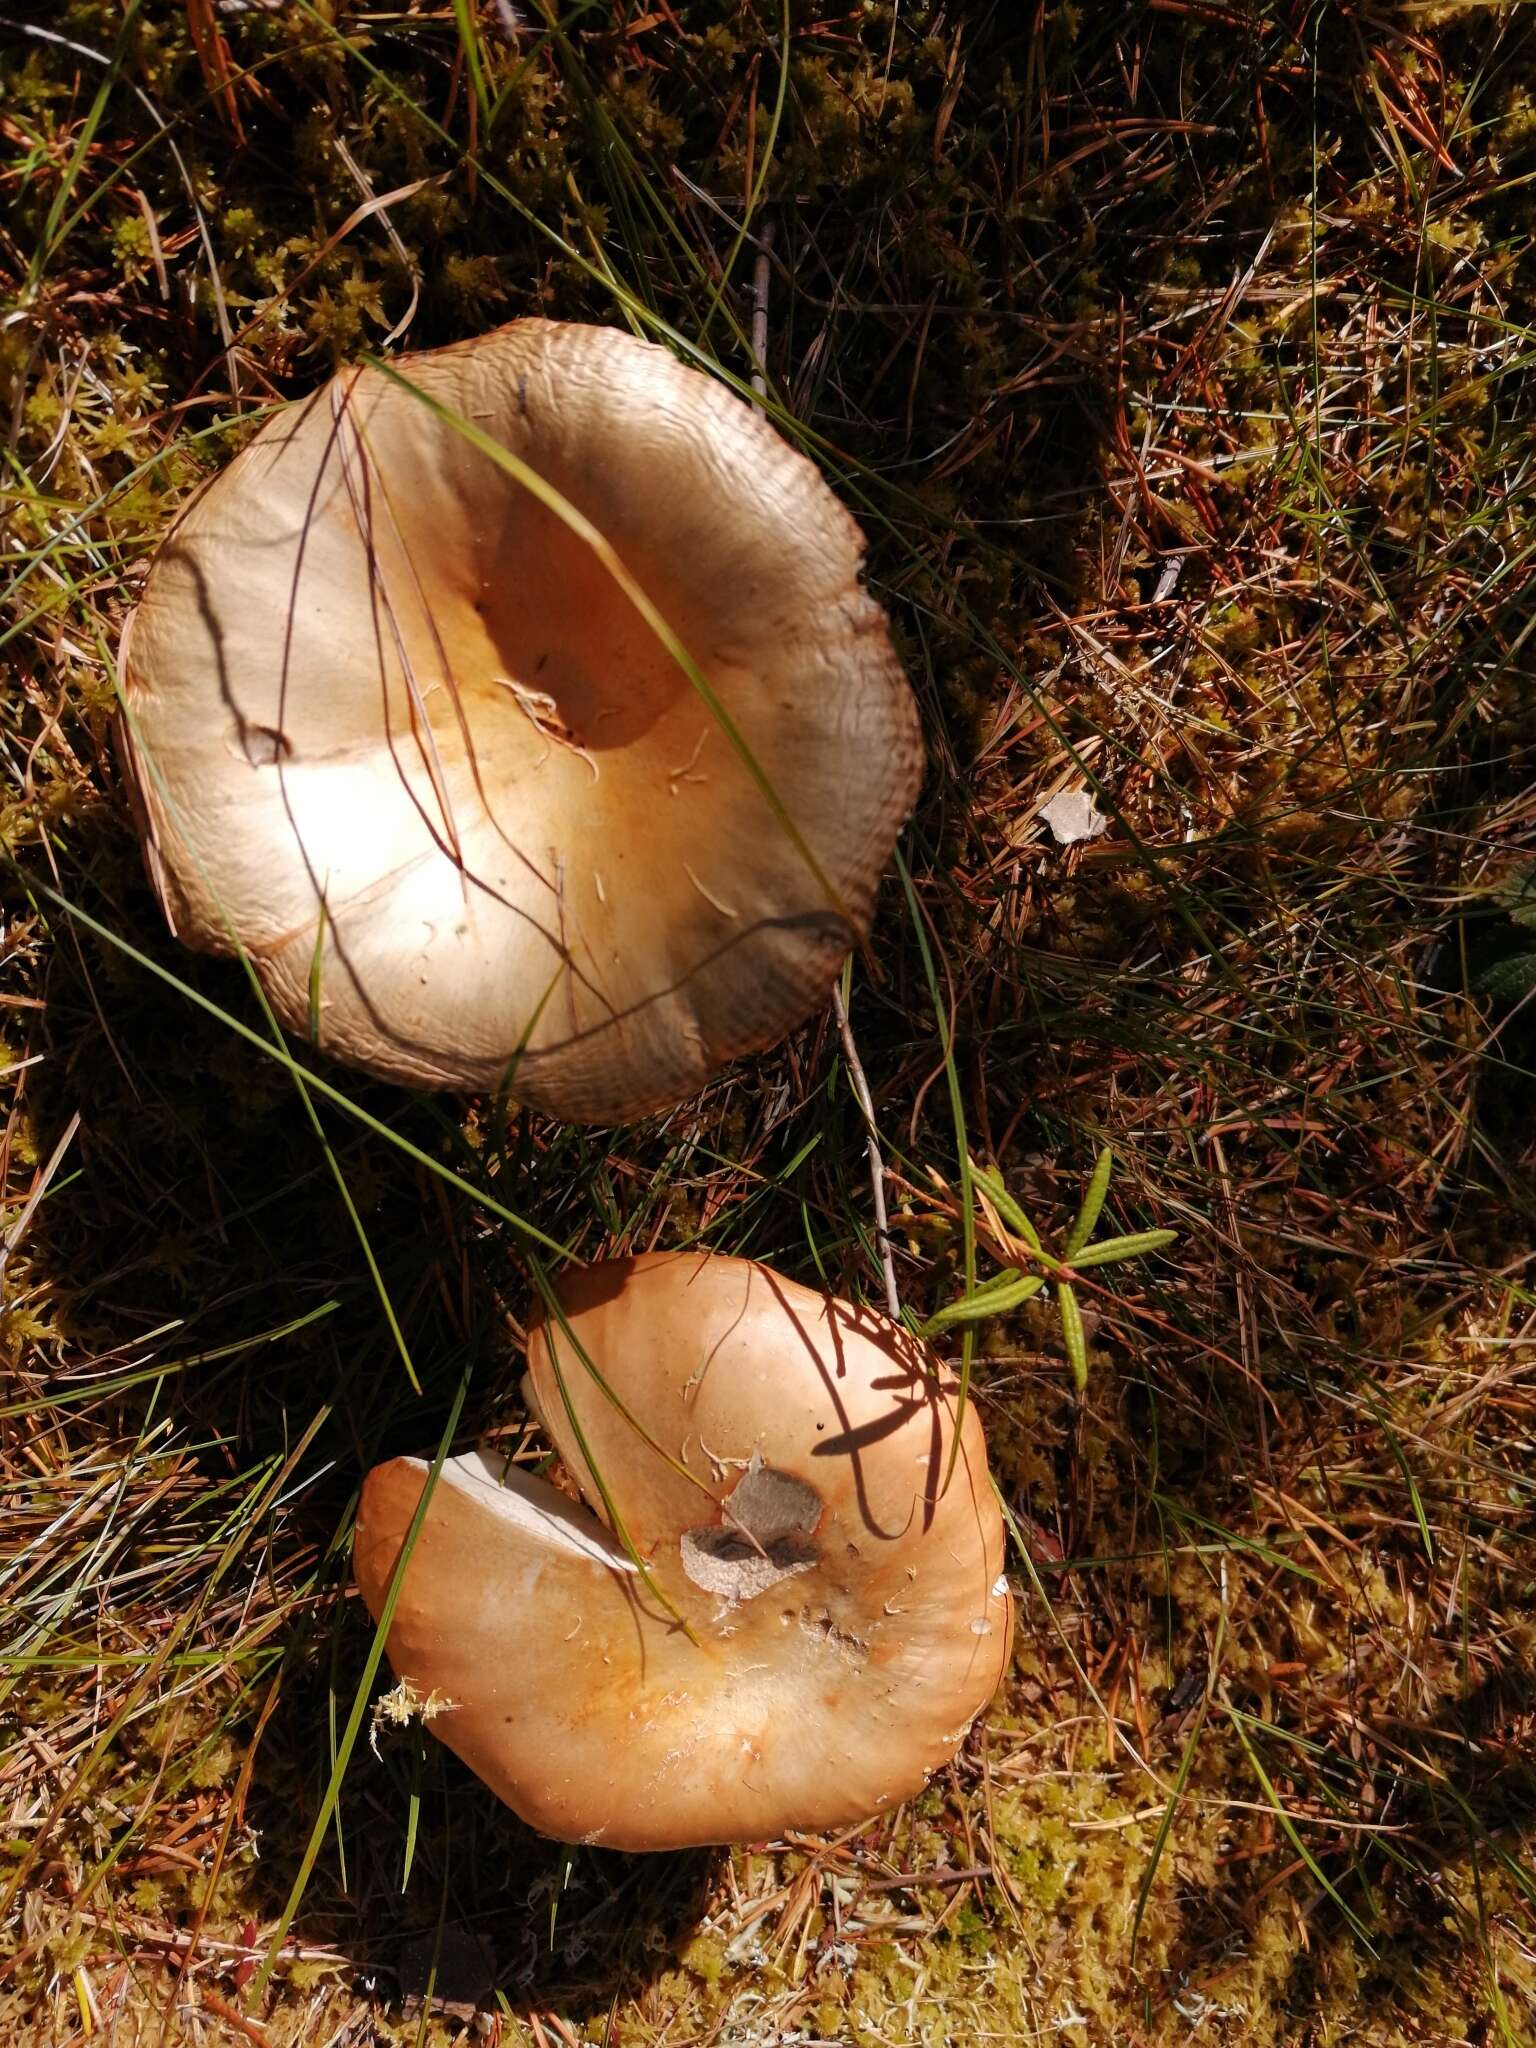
x,y
404,727
822,1611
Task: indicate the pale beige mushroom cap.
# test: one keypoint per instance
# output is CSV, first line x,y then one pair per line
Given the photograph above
x,y
370,671
850,1611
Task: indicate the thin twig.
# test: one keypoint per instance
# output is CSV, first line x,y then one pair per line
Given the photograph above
x,y
872,1146
762,270
374,204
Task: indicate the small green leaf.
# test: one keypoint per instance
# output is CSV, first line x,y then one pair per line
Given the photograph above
x,y
1072,1332
1006,1278
1509,980
991,1300
1110,1250
1093,1203
1518,897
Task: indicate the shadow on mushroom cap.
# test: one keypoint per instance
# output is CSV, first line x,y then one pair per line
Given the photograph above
x,y
831,1616
397,730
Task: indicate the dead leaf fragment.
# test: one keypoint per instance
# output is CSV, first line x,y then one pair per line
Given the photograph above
x,y
1073,816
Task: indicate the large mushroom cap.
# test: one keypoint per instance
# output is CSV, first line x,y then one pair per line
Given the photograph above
x,y
848,1610
400,734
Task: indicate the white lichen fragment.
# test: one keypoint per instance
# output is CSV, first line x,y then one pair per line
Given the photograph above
x,y
1073,816
403,1704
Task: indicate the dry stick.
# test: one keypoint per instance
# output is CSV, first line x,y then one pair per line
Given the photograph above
x,y
872,1146
761,272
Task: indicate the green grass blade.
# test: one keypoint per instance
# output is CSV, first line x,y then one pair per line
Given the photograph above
x,y
284,1058
962,1148
322,1821
316,965
604,552
474,61
1165,1823
1293,1833
1416,1501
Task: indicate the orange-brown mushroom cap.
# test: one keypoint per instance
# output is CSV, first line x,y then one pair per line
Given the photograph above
x,y
848,1611
398,733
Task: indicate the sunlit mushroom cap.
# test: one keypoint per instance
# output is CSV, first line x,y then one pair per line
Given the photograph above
x,y
398,732
848,1610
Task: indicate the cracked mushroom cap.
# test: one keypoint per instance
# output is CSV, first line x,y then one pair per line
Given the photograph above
x,y
849,1613
398,733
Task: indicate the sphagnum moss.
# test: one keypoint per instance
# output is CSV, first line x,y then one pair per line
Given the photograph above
x,y
1177,359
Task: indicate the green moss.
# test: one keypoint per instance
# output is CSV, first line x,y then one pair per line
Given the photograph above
x,y
705,1957
1014,300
